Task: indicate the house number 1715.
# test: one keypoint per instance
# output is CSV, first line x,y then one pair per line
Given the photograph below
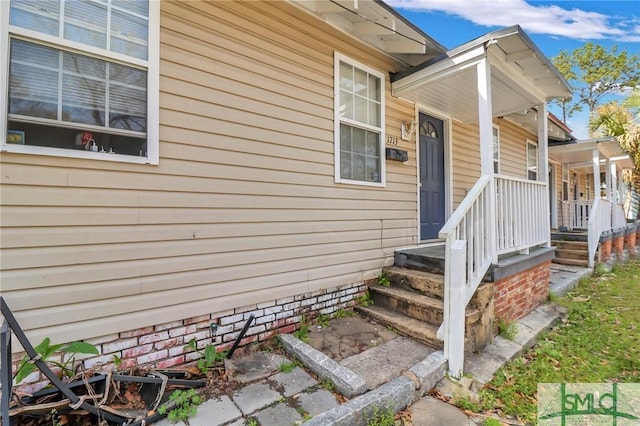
x,y
392,140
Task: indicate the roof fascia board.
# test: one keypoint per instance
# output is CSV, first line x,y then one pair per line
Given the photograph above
x,y
440,69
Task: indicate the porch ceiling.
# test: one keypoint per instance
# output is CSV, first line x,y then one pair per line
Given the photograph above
x,y
580,154
378,25
521,77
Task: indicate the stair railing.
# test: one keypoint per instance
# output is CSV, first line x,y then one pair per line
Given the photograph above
x,y
599,221
470,248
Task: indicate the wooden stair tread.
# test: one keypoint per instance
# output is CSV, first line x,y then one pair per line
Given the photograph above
x,y
573,262
416,273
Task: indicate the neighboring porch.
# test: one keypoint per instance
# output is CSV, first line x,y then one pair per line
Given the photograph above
x,y
592,200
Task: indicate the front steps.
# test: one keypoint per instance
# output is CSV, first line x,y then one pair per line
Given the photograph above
x,y
413,305
571,249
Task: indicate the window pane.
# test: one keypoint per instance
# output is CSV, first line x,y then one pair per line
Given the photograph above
x,y
345,165
374,113
39,15
346,77
129,34
139,7
33,80
373,169
359,144
78,27
373,144
346,104
345,137
374,88
360,109
358,167
360,85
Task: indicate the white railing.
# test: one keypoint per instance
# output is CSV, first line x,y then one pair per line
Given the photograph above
x,y
599,221
473,240
575,213
617,216
469,251
521,213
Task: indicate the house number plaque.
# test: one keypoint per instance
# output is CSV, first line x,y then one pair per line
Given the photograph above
x,y
392,140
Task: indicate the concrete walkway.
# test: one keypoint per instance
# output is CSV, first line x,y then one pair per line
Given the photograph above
x,y
381,370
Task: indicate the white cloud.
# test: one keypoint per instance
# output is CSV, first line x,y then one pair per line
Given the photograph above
x,y
550,20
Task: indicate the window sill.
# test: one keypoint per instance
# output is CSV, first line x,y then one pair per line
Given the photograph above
x,y
68,153
361,183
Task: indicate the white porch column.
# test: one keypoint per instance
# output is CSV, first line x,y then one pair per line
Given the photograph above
x,y
610,182
595,155
485,117
543,144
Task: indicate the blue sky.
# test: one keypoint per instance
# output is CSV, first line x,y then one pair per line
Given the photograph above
x,y
553,25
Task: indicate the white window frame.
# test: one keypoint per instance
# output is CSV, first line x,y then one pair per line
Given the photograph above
x,y
337,120
530,142
152,66
496,141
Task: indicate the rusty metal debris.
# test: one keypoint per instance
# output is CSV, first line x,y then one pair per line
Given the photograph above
x,y
118,398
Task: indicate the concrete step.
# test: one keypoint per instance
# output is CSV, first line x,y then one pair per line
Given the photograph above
x,y
408,303
572,262
419,330
572,254
423,282
570,245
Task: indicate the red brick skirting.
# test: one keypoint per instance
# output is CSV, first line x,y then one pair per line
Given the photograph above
x,y
162,345
605,250
519,294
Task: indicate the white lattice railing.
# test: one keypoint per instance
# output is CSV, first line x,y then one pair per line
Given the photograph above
x,y
599,221
575,213
522,214
473,240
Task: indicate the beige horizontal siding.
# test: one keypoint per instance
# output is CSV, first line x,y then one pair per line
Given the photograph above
x,y
242,208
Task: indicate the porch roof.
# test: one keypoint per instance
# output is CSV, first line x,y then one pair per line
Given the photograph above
x,y
579,154
521,77
376,24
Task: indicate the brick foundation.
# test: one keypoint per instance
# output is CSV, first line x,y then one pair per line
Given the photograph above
x,y
519,294
617,244
605,250
162,345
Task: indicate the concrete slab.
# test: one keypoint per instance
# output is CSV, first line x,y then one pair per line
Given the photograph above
x,y
564,278
214,412
255,397
382,363
433,412
278,415
317,402
293,382
253,367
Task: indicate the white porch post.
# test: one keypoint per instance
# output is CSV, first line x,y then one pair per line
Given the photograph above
x,y
485,125
595,155
543,161
610,180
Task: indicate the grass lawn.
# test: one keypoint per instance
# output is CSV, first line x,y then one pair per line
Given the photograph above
x,y
598,342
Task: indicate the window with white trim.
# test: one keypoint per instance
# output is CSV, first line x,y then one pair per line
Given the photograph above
x,y
496,149
359,123
82,78
532,160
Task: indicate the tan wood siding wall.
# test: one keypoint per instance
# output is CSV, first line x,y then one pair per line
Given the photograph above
x,y
466,154
242,208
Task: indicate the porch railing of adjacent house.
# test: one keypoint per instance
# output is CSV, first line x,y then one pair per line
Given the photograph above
x,y
618,217
599,221
474,238
575,213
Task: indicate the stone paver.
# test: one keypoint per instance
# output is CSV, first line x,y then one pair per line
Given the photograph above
x,y
255,396
278,415
213,412
293,382
317,402
429,411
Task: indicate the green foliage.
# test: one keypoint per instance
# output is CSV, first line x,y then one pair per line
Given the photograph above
x,y
344,313
328,385
492,422
286,367
209,357
508,329
596,343
46,350
55,418
186,405
382,417
365,299
323,320
302,332
596,72
383,279
252,422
